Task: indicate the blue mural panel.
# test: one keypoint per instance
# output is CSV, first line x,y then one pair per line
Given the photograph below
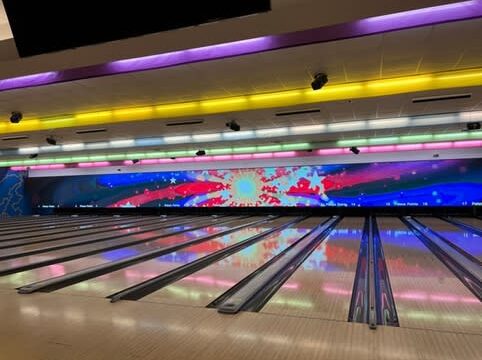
x,y
416,183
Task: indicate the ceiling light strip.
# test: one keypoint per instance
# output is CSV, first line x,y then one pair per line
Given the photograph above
x,y
366,89
406,139
390,123
278,152
369,26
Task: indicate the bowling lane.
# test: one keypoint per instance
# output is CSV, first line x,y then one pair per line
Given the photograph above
x,y
202,287
321,287
472,221
97,246
82,235
39,222
466,240
427,294
70,229
121,279
46,272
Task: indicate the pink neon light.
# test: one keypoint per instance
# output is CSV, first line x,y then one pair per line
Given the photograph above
x,y
185,159
242,157
221,157
262,155
378,149
165,161
439,145
18,168
470,143
149,161
128,162
93,164
285,154
336,151
409,147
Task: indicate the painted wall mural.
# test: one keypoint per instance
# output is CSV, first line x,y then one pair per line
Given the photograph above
x,y
13,201
417,183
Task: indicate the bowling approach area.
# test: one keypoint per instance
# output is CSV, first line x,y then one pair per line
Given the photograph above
x,y
247,287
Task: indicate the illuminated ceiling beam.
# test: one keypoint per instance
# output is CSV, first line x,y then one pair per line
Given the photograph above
x,y
355,90
375,25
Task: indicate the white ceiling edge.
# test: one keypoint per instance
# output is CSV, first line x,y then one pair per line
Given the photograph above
x,y
273,162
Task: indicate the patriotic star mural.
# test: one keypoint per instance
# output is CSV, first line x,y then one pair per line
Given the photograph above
x,y
409,183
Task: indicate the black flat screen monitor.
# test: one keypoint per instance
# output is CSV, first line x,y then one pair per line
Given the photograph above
x,y
42,26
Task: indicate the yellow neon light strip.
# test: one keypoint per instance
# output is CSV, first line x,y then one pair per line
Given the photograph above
x,y
366,89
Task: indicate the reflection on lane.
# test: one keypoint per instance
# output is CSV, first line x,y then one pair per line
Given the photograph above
x,y
475,222
202,287
121,279
466,240
323,284
46,272
427,294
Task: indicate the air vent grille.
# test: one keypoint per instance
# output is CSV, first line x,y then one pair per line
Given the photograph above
x,y
11,138
184,123
441,98
90,131
298,112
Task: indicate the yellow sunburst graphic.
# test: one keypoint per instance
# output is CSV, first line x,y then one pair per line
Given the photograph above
x,y
246,188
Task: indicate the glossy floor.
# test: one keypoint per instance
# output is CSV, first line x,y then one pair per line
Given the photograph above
x,y
426,293
58,327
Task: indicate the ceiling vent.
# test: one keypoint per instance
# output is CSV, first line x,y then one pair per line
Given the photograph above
x,y
90,131
441,98
10,138
185,123
298,112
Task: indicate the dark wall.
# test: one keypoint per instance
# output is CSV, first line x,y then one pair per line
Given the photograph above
x,y
13,200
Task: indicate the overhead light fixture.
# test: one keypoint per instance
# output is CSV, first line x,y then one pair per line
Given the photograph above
x,y
471,126
33,156
355,150
51,141
319,81
200,153
233,125
15,117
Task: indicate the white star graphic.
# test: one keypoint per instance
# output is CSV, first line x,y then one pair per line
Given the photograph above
x,y
173,180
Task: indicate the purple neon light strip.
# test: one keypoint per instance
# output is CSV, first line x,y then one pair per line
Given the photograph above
x,y
370,26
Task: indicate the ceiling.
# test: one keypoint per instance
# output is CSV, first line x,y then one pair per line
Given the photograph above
x,y
428,49
286,16
5,32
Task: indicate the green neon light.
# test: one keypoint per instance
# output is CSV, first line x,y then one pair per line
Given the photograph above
x,y
416,138
263,148
245,149
177,153
219,151
383,140
299,146
156,154
451,136
79,158
353,142
116,156
98,157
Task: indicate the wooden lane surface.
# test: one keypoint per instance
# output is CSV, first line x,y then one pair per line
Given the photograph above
x,y
59,327
427,294
322,285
